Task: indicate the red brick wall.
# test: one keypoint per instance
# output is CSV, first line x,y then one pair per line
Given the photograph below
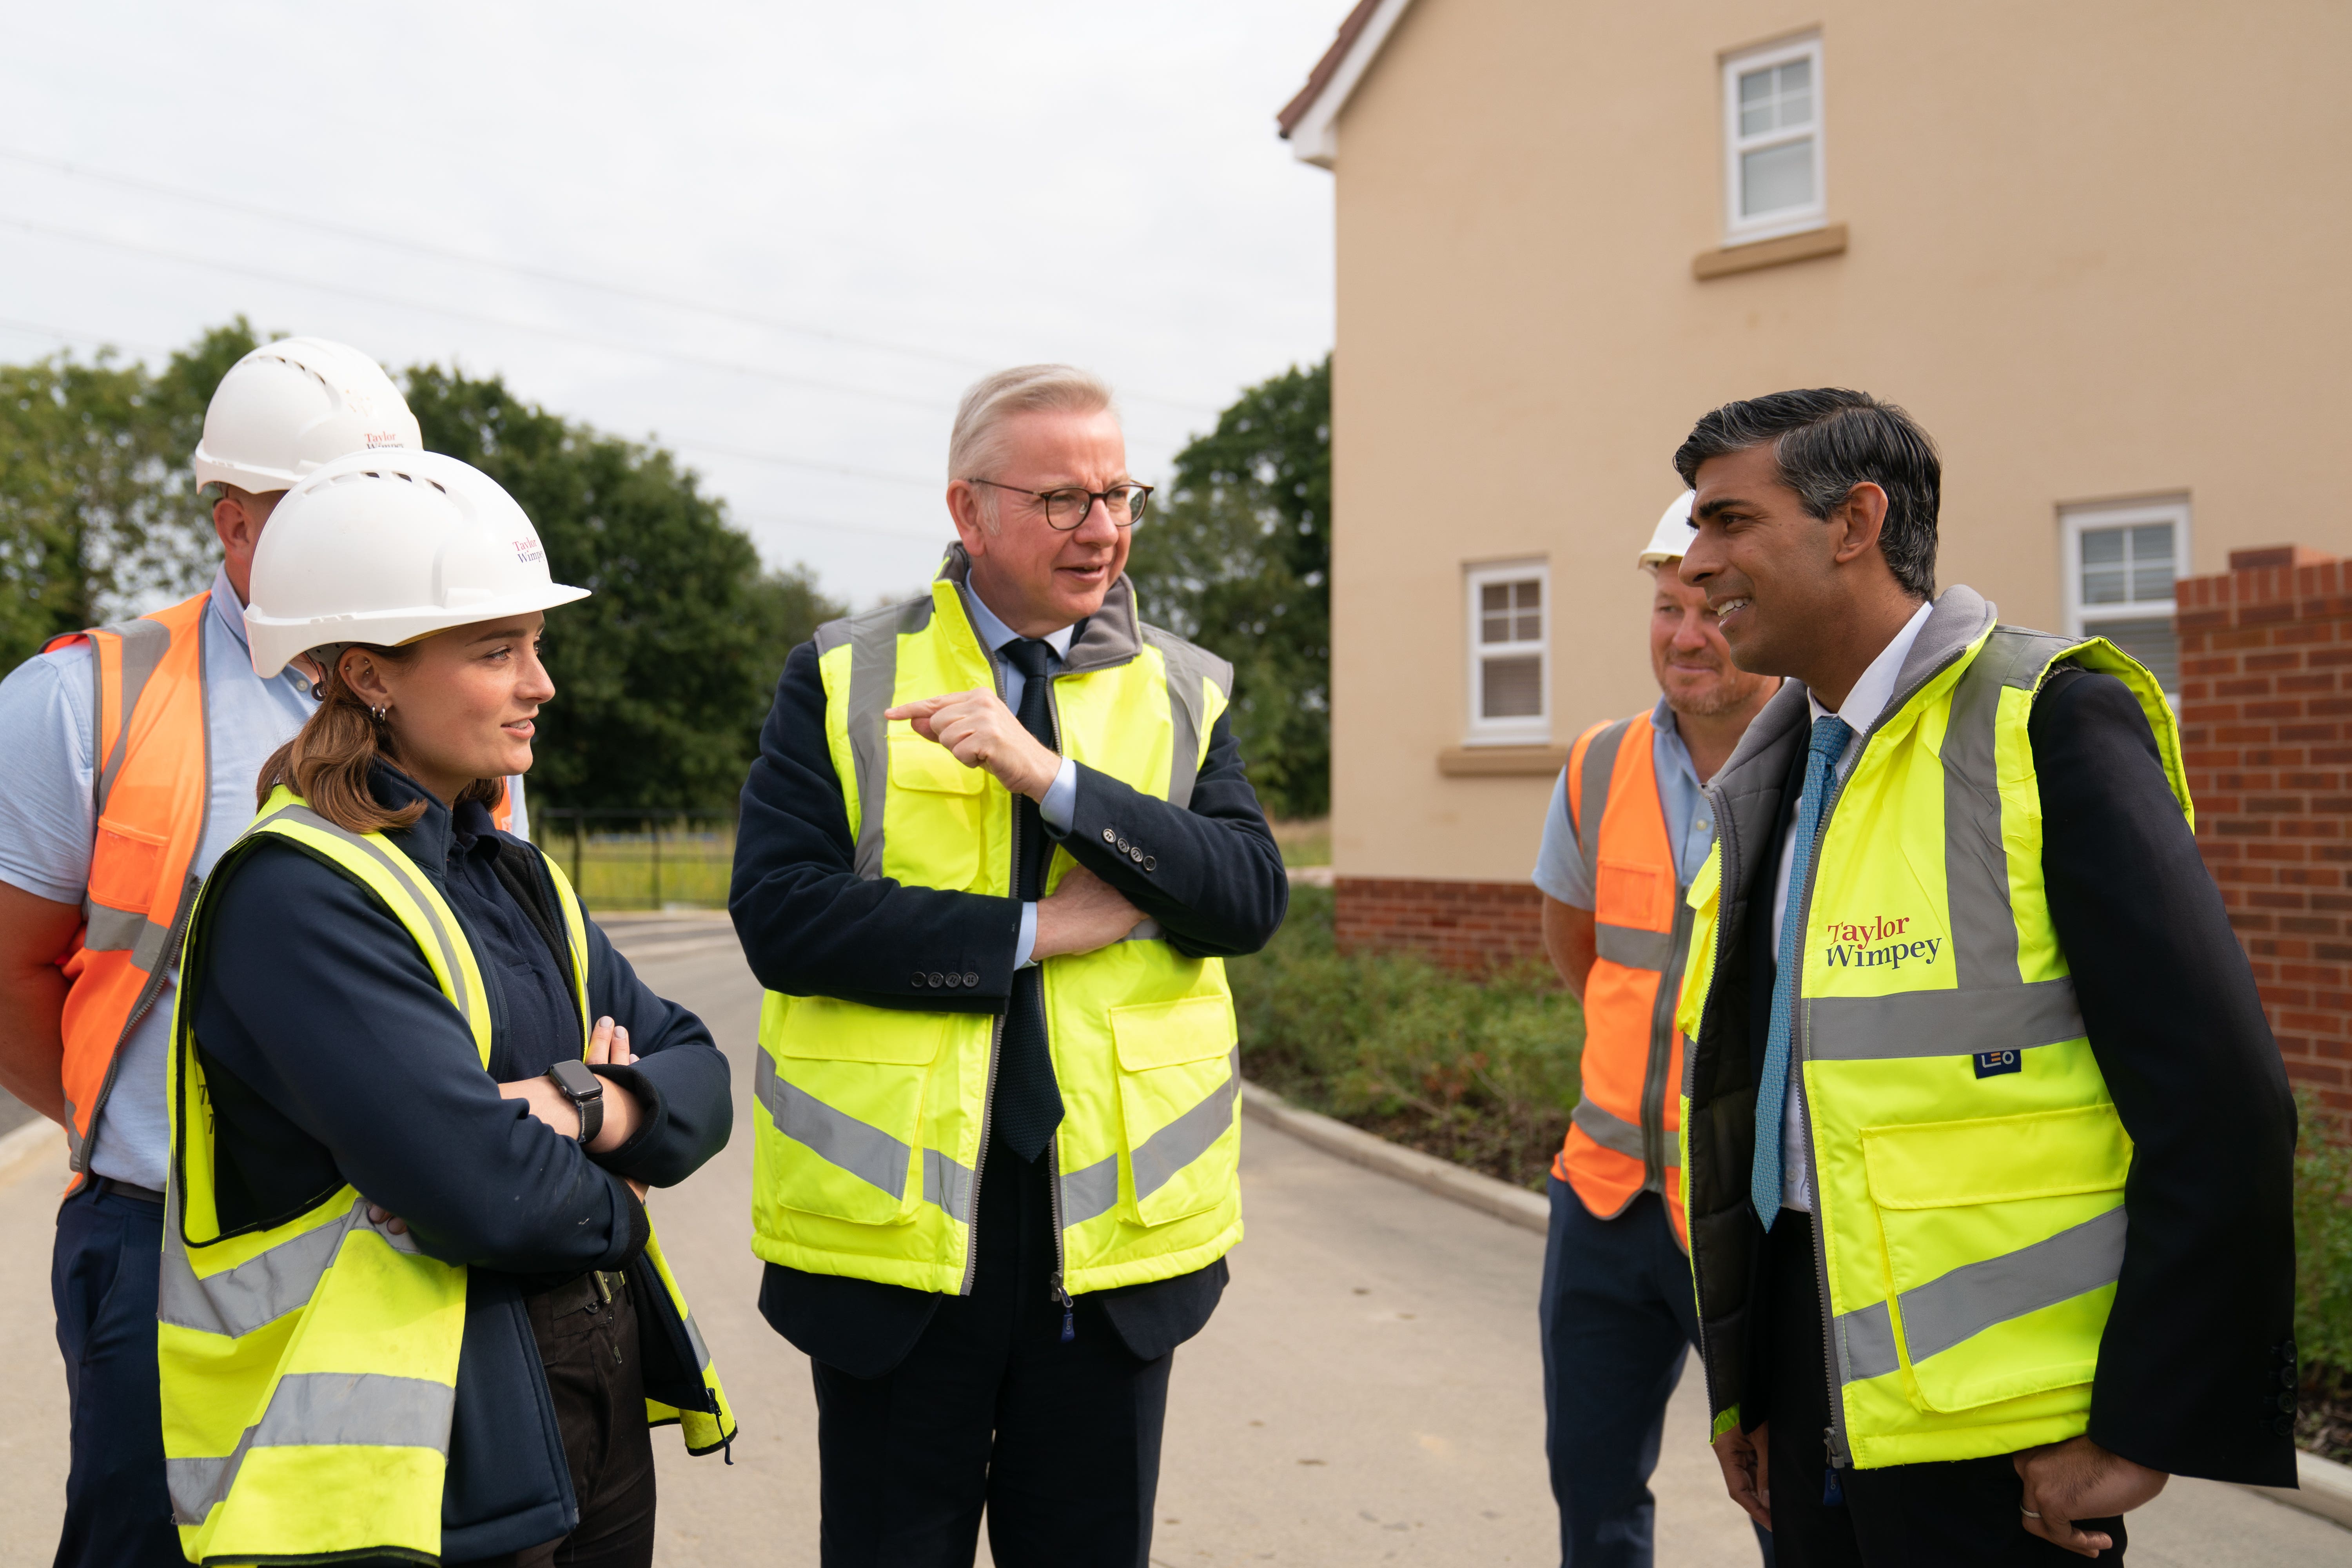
x,y
1462,925
2266,728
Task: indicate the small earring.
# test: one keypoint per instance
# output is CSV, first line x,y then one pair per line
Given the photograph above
x,y
318,691
379,712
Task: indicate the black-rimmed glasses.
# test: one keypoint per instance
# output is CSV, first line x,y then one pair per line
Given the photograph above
x,y
1066,507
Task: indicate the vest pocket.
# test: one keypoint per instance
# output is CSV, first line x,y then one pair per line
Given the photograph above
x,y
1178,1080
1629,893
844,1084
123,865
2004,1237
936,839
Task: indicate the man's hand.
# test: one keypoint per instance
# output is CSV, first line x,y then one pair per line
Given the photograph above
x,y
1746,1461
1083,914
33,931
2079,1479
983,733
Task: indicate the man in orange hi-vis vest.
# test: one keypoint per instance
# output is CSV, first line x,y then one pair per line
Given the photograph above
x,y
133,751
1627,829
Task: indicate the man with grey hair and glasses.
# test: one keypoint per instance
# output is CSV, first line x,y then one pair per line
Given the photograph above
x,y
996,845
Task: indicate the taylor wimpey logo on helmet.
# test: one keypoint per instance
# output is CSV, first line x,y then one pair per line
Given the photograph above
x,y
378,438
528,550
1878,941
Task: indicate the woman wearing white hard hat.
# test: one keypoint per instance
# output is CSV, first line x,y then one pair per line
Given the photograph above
x,y
412,1306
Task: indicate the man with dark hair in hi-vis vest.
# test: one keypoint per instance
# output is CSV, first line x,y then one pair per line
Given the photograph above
x,y
1627,829
133,751
1988,1151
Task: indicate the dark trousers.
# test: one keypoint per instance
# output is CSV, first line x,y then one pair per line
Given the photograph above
x,y
102,1282
1058,1442
1962,1515
1618,1316
595,1377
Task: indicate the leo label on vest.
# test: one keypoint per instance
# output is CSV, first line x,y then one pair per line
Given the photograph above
x,y
1876,942
1992,1064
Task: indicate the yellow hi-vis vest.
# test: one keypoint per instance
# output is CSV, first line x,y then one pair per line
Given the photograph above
x,y
1967,1163
872,1122
309,1370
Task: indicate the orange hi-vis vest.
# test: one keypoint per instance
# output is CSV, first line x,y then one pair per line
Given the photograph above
x,y
153,788
1623,1135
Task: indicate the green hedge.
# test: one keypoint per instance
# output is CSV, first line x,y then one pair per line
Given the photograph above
x,y
1480,1072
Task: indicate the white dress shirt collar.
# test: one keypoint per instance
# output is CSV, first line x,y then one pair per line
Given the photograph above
x,y
1870,695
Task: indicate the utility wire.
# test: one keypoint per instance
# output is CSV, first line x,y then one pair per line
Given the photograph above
x,y
524,270
591,339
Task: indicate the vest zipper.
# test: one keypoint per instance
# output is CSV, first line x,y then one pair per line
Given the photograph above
x,y
1727,879
995,1049
1053,1140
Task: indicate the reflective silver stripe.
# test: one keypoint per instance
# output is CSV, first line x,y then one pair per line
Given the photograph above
x,y
1091,1192
864,1152
1635,949
1973,1298
145,643
873,679
73,1139
1942,1022
1608,1128
1866,1344
694,1338
946,1183
1188,668
1975,862
1190,1136
1593,798
112,930
263,1289
403,873
321,1408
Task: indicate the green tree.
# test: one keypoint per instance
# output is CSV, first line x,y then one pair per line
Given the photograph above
x,y
664,676
1238,559
98,513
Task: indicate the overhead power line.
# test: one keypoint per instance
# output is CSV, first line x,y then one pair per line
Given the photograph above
x,y
565,333
690,444
525,269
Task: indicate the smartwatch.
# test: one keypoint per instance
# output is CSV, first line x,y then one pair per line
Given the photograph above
x,y
585,1090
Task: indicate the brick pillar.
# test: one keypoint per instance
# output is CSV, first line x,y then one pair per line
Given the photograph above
x,y
2266,712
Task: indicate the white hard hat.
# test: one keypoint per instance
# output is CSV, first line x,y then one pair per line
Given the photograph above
x,y
388,547
1672,537
290,406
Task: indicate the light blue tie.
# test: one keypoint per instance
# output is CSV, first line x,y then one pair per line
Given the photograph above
x,y
1830,736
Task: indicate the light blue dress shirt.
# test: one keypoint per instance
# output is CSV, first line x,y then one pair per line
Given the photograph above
x,y
1061,799
47,725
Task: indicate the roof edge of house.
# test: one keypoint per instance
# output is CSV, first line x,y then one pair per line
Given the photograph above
x,y
1316,105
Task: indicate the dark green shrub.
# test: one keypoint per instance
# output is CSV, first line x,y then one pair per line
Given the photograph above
x,y
1482,1071
2323,1280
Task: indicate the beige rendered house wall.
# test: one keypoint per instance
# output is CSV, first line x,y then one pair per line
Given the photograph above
x,y
2098,249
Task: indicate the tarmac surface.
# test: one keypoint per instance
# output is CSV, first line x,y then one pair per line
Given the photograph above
x,y
1367,1393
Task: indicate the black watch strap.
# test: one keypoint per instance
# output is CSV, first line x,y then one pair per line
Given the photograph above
x,y
585,1090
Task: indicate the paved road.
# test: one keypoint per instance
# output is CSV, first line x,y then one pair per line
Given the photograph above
x,y
1367,1395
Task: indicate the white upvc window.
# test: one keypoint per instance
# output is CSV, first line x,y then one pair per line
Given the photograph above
x,y
1510,653
2121,559
1772,141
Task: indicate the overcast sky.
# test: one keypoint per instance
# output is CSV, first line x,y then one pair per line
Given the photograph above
x,y
852,211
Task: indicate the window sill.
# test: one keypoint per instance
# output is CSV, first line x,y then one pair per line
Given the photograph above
x,y
1829,240
1501,762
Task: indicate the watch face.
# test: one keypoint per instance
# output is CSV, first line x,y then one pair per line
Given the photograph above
x,y
574,1079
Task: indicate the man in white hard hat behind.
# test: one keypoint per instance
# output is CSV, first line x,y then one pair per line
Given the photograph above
x,y
1627,829
132,752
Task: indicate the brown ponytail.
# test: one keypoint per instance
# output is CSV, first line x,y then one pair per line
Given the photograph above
x,y
327,764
